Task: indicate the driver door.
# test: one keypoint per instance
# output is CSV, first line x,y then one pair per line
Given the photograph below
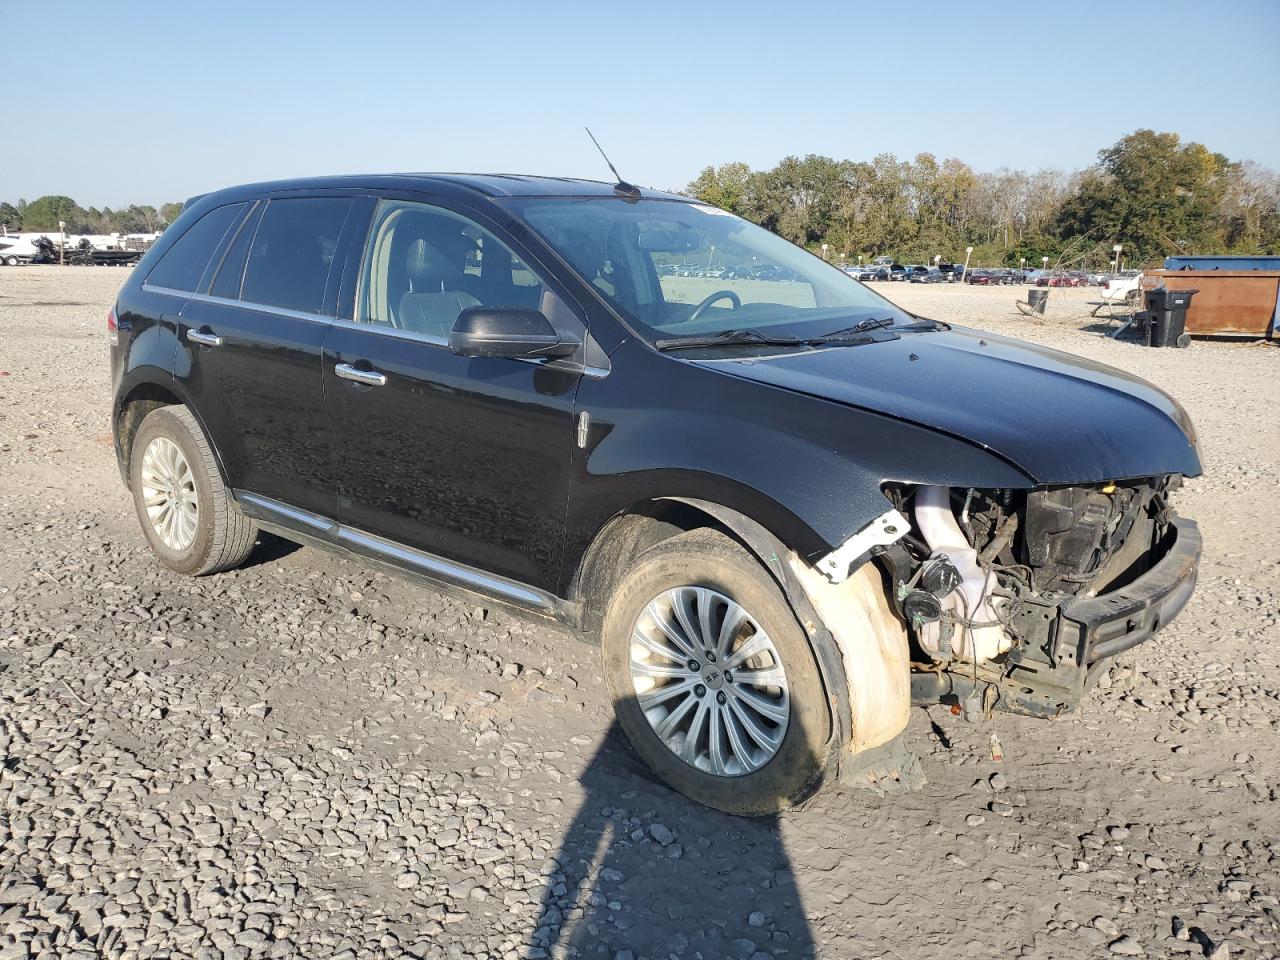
x,y
466,460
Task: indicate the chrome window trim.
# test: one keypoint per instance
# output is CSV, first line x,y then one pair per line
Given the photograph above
x,y
438,568
597,373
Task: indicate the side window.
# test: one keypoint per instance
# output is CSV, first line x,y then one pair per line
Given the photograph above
x,y
425,265
183,264
292,251
230,275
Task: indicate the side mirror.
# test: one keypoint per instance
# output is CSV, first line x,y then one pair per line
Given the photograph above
x,y
507,332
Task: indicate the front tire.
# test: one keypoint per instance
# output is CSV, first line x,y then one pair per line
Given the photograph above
x,y
713,680
187,515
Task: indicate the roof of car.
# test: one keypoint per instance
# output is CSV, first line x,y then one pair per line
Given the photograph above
x,y
488,184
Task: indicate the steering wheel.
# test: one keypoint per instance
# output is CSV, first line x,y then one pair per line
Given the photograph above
x,y
718,295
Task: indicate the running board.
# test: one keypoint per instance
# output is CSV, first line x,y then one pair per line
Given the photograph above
x,y
326,532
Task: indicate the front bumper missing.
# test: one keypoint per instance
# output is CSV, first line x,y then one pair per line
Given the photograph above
x,y
1067,645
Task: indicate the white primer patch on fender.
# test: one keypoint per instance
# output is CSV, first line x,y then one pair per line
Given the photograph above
x,y
873,647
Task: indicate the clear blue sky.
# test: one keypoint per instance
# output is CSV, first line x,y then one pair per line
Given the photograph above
x,y
146,102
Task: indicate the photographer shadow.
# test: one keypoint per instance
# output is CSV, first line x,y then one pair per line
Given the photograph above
x,y
644,869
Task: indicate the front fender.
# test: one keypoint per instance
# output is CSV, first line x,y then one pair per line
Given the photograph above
x,y
810,471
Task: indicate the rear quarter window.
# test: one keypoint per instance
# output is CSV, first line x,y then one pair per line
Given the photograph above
x,y
292,252
183,265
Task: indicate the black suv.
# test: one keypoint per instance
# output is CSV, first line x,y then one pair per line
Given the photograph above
x,y
783,506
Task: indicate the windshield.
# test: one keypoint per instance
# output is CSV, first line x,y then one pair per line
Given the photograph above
x,y
678,269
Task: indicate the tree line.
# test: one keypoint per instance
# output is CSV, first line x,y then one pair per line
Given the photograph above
x,y
43,215
1151,192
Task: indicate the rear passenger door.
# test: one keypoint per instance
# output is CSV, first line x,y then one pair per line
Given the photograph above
x,y
466,459
250,345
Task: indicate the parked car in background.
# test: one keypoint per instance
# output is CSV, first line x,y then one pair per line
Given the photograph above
x,y
980,278
1059,278
867,274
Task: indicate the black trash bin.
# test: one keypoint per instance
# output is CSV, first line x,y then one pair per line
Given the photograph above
x,y
1036,299
1167,317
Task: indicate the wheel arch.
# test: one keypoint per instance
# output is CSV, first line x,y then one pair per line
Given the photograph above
x,y
138,400
630,533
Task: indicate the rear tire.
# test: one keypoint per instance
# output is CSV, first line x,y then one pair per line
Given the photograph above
x,y
186,512
714,579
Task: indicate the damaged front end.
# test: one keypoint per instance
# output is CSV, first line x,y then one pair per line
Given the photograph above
x,y
1016,600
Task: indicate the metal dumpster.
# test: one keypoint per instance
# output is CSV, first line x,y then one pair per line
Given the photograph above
x,y
1230,300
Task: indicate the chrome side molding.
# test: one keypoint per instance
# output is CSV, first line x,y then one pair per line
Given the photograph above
x,y
330,533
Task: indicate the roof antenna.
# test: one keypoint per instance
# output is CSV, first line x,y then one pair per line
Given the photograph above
x,y
621,187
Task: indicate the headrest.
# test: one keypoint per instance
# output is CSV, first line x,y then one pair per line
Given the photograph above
x,y
425,261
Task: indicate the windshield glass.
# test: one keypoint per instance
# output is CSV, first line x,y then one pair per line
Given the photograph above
x,y
660,263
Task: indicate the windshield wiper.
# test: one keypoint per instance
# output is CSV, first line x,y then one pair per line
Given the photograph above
x,y
727,338
849,333
858,333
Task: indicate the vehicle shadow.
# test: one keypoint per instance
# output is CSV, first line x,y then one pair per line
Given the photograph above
x,y
644,869
269,549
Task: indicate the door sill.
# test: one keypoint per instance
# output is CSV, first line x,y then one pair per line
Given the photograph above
x,y
328,533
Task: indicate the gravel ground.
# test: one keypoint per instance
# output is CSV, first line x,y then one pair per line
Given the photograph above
x,y
304,758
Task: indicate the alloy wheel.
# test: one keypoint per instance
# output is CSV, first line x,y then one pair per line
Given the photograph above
x,y
710,681
169,493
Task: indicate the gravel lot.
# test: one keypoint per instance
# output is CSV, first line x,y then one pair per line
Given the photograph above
x,y
306,759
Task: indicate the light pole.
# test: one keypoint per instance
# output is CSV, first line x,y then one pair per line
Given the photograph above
x,y
1044,263
710,255
1115,264
824,251
968,252
1022,263
859,259
62,243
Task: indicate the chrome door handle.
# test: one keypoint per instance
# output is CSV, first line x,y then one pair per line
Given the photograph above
x,y
371,378
204,339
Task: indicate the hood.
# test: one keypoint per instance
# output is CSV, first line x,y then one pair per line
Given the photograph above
x,y
1058,418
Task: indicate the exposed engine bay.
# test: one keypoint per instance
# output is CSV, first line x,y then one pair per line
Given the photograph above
x,y
1011,596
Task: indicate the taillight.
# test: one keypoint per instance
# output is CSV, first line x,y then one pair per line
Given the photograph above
x,y
113,326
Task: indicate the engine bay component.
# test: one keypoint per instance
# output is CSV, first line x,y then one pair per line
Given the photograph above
x,y
981,635
939,576
921,607
885,529
1067,577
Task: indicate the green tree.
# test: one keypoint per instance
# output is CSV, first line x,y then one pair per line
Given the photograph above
x,y
1152,193
44,213
725,186
11,217
170,212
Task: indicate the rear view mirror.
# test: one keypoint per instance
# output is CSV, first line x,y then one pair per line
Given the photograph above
x,y
507,332
668,241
